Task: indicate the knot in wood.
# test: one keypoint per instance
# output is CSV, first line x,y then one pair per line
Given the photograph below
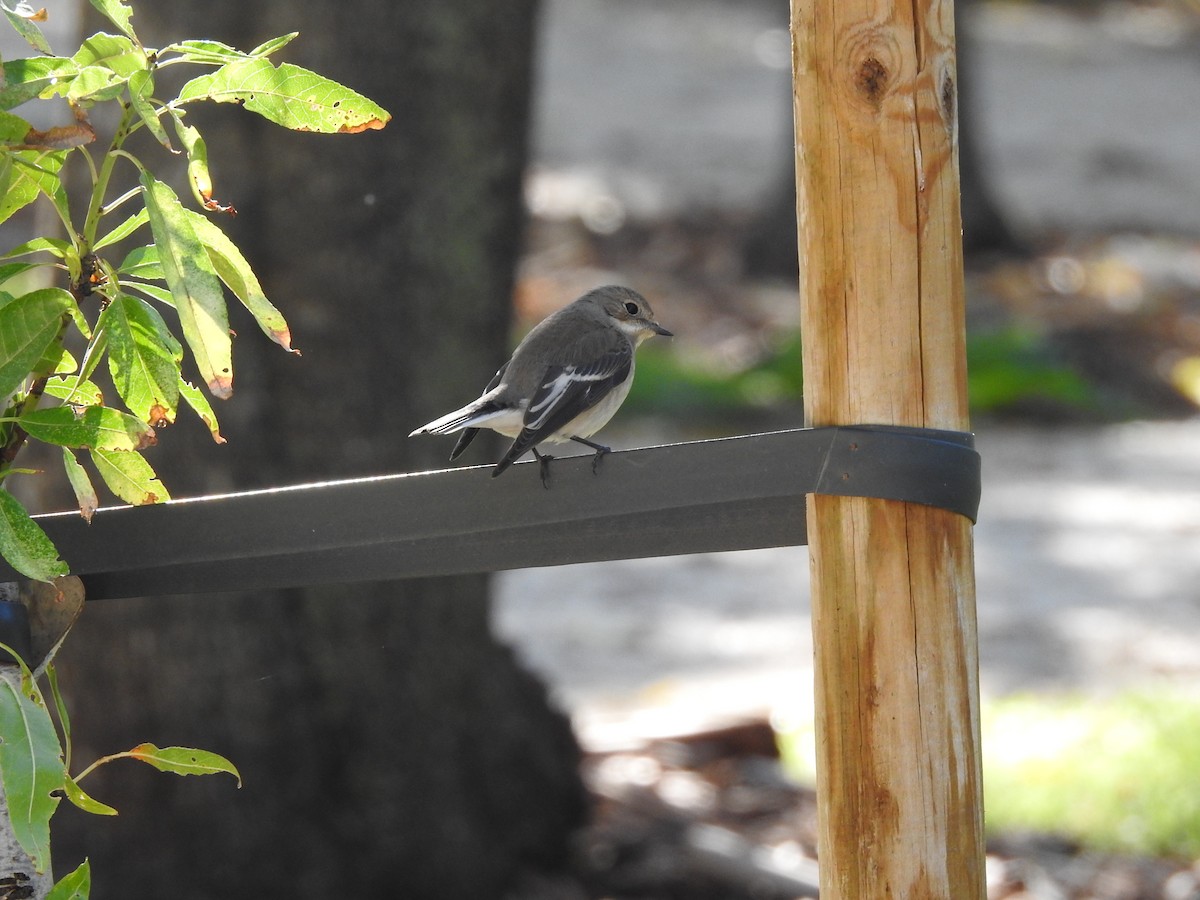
x,y
871,81
948,98
874,59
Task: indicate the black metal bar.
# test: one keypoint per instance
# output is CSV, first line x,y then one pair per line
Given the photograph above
x,y
728,494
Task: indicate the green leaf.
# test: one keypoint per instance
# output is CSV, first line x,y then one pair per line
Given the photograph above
x,y
153,291
194,285
142,262
85,493
205,52
232,268
57,360
117,13
13,129
141,86
91,427
22,20
31,764
194,397
75,886
54,246
60,706
143,358
217,53
129,476
33,172
287,95
184,761
95,84
46,174
28,326
84,801
124,230
8,271
114,52
71,389
24,545
274,45
25,79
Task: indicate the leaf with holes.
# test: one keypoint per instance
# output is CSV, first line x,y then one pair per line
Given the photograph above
x,y
184,761
287,95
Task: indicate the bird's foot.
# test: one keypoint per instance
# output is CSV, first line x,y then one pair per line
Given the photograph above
x,y
544,467
599,448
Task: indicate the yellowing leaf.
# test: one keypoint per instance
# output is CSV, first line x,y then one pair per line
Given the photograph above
x,y
194,286
129,476
85,494
231,267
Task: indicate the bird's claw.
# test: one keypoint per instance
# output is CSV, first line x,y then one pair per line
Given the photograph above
x,y
544,468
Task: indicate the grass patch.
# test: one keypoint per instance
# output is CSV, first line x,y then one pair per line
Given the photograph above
x,y
1119,773
1008,369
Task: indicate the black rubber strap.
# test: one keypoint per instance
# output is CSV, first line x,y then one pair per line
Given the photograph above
x,y
913,465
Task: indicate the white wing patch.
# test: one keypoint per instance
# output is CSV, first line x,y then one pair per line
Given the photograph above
x,y
553,390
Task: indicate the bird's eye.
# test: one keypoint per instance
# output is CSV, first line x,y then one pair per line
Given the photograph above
x,y
632,309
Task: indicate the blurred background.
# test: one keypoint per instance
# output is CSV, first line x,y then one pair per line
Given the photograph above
x,y
1081,180
659,156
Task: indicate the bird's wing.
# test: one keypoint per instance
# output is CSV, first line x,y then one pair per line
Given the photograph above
x,y
566,392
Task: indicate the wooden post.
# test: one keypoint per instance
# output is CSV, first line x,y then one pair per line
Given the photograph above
x,y
894,626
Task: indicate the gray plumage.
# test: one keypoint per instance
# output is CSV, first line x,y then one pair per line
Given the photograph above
x,y
564,381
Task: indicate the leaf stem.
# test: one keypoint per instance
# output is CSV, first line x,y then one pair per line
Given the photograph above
x,y
100,183
124,754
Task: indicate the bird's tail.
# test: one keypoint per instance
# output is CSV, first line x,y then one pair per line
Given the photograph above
x,y
470,415
523,443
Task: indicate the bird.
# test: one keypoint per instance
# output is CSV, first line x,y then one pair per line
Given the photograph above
x,y
564,381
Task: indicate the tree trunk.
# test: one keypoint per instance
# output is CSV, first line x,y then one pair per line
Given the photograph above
x,y
389,746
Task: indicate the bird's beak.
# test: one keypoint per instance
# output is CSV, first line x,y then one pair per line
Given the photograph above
x,y
658,329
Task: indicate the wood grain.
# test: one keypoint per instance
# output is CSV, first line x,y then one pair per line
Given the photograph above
x,y
884,343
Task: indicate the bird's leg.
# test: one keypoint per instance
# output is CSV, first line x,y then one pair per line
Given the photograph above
x,y
599,448
543,466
